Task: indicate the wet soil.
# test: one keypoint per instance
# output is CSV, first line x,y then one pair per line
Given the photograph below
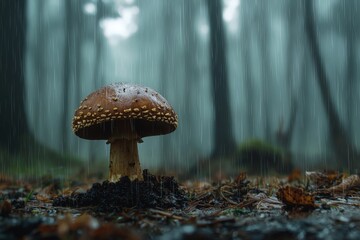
x,y
153,191
339,223
161,208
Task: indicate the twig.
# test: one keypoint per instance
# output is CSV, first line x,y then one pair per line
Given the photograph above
x,y
227,199
166,214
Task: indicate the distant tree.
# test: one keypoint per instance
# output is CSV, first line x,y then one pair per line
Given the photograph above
x,y
246,36
343,22
224,142
67,73
284,133
79,25
167,67
40,64
12,70
192,73
102,11
262,31
343,147
345,19
98,74
350,77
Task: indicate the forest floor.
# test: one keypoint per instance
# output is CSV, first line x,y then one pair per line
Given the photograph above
x,y
311,205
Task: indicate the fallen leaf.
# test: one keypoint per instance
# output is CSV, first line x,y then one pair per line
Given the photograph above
x,y
6,181
46,229
347,184
295,197
111,231
5,208
47,193
324,179
295,175
240,178
70,224
84,221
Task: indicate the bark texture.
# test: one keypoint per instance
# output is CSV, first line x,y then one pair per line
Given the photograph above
x,y
12,91
224,142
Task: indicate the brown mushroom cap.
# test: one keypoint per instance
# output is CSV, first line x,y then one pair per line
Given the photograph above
x,y
115,108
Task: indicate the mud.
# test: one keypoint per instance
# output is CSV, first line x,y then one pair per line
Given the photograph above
x,y
153,191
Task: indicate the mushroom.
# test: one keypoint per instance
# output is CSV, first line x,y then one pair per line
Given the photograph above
x,y
123,114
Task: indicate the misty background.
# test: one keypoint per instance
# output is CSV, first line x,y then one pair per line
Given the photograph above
x,y
289,68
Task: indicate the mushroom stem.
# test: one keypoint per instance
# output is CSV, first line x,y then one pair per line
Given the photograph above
x,y
124,160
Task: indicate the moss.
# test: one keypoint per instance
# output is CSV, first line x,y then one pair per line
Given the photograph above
x,y
259,145
260,157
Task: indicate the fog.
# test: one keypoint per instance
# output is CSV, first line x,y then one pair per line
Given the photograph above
x,y
75,47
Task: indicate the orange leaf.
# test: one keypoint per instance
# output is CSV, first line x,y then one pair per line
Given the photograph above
x,y
295,197
240,178
295,175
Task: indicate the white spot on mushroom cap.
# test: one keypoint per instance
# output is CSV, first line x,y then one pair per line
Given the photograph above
x,y
118,93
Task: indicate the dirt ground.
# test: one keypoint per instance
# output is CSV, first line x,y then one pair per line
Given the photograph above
x,y
311,205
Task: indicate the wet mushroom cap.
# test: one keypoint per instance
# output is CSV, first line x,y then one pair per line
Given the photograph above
x,y
118,107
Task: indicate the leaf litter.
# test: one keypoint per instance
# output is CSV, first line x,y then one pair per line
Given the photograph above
x,y
318,205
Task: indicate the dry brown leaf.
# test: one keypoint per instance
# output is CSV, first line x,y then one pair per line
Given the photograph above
x,y
47,193
75,190
111,231
63,225
43,197
240,178
5,181
295,175
324,179
69,224
9,182
348,183
67,192
295,197
45,229
5,208
84,221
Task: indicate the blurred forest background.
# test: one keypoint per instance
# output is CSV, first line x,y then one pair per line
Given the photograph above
x,y
281,71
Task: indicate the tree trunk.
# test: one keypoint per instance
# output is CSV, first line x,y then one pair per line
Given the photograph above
x,y
191,106
98,70
340,141
40,64
78,45
350,80
266,75
98,47
12,69
245,41
67,74
224,142
284,135
167,65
